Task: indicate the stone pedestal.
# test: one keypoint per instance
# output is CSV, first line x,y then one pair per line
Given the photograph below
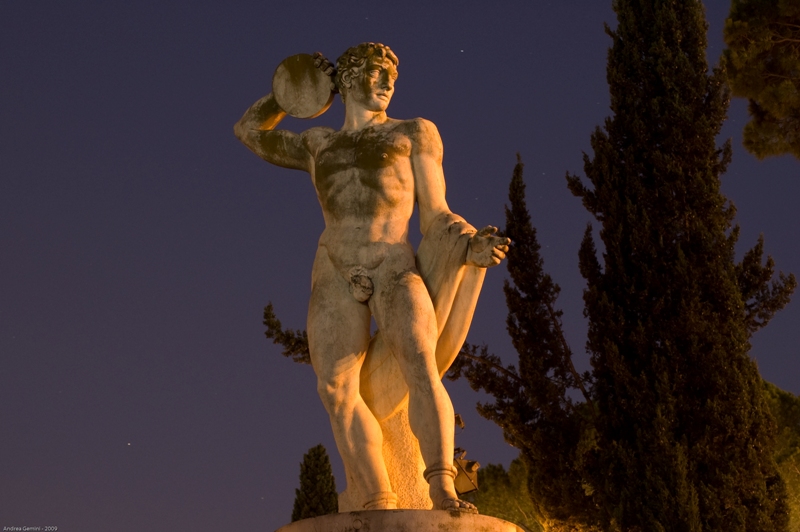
x,y
402,521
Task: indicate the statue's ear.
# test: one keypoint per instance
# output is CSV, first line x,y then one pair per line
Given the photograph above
x,y
347,77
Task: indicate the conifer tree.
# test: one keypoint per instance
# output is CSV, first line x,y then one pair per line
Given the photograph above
x,y
317,492
684,439
532,401
763,64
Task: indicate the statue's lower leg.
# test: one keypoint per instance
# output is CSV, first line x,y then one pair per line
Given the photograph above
x,y
358,438
441,478
432,420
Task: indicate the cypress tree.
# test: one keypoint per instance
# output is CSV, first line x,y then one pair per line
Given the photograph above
x,y
317,492
532,402
683,436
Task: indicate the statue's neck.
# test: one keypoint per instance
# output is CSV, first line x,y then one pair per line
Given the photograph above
x,y
356,117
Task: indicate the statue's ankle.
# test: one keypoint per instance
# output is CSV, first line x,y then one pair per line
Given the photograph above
x,y
440,472
382,500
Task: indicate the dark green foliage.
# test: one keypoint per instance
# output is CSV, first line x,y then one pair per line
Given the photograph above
x,y
785,408
504,494
531,403
295,343
763,65
684,438
761,298
317,492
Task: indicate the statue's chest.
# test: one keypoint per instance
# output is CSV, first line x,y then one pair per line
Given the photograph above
x,y
370,152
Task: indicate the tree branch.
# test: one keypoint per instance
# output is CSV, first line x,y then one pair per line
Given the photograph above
x,y
785,39
568,355
497,367
787,25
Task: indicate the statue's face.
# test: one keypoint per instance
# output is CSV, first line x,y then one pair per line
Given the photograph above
x,y
373,86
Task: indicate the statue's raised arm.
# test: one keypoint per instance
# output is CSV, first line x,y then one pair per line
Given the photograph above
x,y
291,95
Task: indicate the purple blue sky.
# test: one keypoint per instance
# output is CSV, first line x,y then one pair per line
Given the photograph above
x,y
139,241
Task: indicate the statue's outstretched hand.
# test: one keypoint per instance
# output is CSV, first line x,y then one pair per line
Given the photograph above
x,y
322,63
486,249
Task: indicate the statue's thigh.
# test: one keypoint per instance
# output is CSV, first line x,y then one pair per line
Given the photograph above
x,y
338,326
405,316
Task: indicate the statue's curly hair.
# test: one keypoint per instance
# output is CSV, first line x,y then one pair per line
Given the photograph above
x,y
355,57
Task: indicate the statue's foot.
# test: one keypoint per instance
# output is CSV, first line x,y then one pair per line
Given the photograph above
x,y
445,499
440,477
450,503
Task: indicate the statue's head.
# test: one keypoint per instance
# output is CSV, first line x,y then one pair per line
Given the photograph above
x,y
367,72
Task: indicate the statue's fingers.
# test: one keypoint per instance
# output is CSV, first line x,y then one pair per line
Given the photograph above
x,y
487,231
322,62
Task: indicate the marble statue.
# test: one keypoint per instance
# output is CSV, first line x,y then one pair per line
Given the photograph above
x,y
368,176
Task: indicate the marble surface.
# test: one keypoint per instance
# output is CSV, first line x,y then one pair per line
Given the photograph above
x,y
402,521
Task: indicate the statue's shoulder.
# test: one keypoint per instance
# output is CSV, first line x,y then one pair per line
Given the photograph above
x,y
423,134
419,127
316,137
317,132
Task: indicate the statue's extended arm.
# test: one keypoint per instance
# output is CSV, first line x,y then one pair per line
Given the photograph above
x,y
485,248
256,130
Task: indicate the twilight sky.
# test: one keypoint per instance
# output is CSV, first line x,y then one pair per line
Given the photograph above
x,y
139,241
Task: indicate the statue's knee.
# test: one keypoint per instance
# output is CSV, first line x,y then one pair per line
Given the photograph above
x,y
334,397
326,394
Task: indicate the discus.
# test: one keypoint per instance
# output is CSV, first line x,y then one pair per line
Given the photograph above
x,y
300,88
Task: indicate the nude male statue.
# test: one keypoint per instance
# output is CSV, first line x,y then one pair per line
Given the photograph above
x,y
367,176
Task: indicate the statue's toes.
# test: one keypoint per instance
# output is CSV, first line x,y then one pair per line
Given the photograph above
x,y
458,505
